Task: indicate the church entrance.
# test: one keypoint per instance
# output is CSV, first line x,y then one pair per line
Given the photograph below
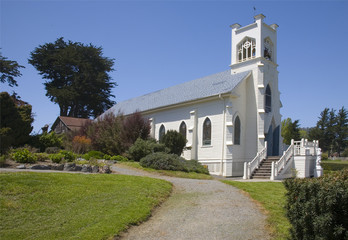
x,y
272,138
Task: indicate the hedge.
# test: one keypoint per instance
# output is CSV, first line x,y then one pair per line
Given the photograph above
x,y
318,208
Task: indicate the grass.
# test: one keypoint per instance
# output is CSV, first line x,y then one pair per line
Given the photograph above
x,y
179,174
333,165
75,206
271,195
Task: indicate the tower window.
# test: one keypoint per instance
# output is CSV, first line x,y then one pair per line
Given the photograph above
x,y
236,131
182,129
207,132
246,49
162,131
268,49
268,99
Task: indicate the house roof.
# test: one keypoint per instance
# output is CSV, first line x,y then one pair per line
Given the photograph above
x,y
71,122
213,85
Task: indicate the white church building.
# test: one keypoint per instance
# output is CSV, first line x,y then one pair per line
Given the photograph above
x,y
227,117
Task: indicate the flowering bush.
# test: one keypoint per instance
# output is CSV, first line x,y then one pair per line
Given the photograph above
x,y
81,144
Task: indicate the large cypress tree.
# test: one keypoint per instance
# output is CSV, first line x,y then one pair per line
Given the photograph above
x,y
76,76
16,119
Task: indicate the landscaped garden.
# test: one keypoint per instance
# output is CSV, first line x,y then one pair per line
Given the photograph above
x,y
75,206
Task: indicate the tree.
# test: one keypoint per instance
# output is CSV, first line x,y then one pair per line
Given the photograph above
x,y
341,136
325,130
290,130
16,120
76,76
9,70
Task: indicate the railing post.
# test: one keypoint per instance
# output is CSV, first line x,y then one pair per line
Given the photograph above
x,y
266,148
272,171
245,176
249,173
292,147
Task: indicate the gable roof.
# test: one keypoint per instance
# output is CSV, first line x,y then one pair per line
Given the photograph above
x,y
71,123
213,85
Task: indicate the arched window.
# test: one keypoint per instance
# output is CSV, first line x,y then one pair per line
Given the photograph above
x,y
236,131
268,100
162,131
182,129
246,49
268,49
207,132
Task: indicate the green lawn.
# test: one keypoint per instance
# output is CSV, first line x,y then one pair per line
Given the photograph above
x,y
271,195
333,165
179,174
75,206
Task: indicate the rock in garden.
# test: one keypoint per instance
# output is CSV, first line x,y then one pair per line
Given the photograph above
x,y
58,167
86,168
21,167
95,169
105,169
69,167
78,168
41,167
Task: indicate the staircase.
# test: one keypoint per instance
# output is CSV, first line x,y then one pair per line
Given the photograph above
x,y
265,168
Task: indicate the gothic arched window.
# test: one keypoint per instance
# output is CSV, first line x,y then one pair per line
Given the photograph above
x,y
161,133
236,131
207,132
268,100
246,49
268,49
182,129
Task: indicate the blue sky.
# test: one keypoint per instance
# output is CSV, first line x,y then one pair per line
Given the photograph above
x,y
157,44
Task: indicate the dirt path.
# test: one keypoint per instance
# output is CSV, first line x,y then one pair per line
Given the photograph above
x,y
200,209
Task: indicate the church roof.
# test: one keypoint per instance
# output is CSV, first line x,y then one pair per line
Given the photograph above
x,y
213,85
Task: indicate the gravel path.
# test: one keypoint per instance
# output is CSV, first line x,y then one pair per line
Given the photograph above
x,y
200,209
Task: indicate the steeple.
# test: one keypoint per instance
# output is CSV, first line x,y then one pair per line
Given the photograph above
x,y
253,42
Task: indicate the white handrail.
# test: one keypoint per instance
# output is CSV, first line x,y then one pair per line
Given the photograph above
x,y
255,163
280,164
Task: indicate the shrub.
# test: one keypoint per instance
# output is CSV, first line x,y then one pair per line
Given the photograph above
x,y
57,157
50,140
163,161
95,154
41,157
167,161
2,160
195,166
142,148
175,141
133,127
50,150
318,208
345,153
105,134
23,156
119,158
81,144
324,156
68,156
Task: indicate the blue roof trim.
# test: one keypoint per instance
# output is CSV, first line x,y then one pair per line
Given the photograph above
x,y
219,83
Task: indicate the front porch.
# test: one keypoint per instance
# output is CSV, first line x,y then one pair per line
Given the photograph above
x,y
301,160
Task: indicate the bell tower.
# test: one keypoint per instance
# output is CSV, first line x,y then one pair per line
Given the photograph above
x,y
254,48
254,42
